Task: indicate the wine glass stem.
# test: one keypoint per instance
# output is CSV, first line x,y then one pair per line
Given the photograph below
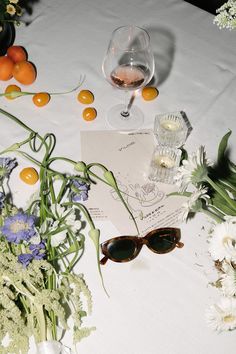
x,y
125,112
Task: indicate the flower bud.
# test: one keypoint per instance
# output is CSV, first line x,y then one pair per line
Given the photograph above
x,y
14,94
108,175
94,234
80,166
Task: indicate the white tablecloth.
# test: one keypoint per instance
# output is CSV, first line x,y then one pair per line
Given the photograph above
x,y
157,304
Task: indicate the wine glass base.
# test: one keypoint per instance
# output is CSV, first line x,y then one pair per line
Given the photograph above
x,y
133,122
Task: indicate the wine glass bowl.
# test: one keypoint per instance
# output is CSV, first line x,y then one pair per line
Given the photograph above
x,y
128,65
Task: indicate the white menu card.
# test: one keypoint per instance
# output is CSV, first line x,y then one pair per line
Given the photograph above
x,y
128,156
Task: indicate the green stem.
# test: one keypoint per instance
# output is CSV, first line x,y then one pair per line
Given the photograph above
x,y
74,260
16,146
223,194
52,192
228,184
18,121
62,191
212,215
113,184
52,286
17,94
23,93
52,159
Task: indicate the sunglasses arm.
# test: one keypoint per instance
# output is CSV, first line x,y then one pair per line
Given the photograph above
x,y
179,244
104,260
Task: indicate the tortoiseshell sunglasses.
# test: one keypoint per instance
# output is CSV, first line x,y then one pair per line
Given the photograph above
x,y
126,248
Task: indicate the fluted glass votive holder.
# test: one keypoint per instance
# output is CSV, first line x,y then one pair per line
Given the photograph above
x,y
164,164
170,129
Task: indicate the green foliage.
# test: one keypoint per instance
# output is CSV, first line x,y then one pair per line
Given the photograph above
x,y
39,297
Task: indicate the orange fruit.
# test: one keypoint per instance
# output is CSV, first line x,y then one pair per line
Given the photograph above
x,y
24,72
6,68
29,175
89,113
149,93
85,97
10,89
16,53
41,99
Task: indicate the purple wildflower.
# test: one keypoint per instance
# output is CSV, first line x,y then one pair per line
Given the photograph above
x,y
37,253
80,191
38,246
25,259
19,227
2,199
38,250
6,166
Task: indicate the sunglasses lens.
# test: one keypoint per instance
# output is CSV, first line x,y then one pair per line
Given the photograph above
x,y
121,250
162,242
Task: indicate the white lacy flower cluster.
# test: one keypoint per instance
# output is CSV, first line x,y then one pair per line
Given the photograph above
x,y
226,17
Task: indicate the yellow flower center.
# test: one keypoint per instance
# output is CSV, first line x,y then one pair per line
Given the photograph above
x,y
227,240
229,318
19,226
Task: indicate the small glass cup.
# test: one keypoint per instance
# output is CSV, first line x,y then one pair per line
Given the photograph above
x,y
164,163
170,129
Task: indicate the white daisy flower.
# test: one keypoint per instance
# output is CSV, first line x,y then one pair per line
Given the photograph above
x,y
223,242
222,316
58,238
74,224
193,170
228,280
194,204
70,217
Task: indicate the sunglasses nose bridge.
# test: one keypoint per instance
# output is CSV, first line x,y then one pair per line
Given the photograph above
x,y
144,241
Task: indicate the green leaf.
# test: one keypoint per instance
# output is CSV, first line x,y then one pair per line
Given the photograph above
x,y
222,169
229,185
219,202
223,146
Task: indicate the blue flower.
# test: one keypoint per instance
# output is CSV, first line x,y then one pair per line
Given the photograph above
x,y
37,253
6,166
25,259
38,250
79,191
2,199
38,246
19,227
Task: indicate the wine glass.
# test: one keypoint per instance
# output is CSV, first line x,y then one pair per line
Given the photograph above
x,y
128,65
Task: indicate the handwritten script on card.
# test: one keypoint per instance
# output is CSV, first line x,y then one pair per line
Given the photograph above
x,y
128,156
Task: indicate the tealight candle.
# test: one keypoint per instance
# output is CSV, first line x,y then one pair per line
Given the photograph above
x,y
170,125
170,129
164,163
